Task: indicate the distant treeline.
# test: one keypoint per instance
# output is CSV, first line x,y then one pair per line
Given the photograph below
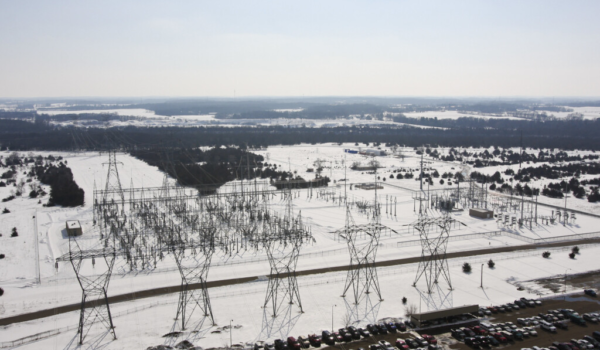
x,y
312,112
464,132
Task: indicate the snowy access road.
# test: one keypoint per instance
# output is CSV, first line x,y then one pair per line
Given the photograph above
x,y
220,283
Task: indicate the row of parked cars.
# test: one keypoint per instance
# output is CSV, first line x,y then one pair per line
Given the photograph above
x,y
588,342
509,307
424,342
343,335
486,334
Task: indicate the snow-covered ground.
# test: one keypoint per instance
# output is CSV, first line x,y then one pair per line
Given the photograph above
x,y
242,303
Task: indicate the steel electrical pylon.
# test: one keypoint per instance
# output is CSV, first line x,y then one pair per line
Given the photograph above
x,y
362,274
433,263
94,300
194,270
283,239
283,285
113,182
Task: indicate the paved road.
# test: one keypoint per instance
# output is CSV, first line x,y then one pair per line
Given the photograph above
x,y
174,289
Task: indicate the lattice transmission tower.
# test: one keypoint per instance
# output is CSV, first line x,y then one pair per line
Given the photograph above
x,y
434,235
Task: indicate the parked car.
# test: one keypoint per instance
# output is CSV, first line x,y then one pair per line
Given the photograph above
x,y
346,335
590,292
468,332
338,337
412,343
391,327
422,342
547,326
364,333
382,328
293,343
269,346
304,342
429,338
492,341
401,344
354,332
578,320
561,324
590,318
315,340
457,334
401,327
471,341
500,337
372,329
592,341
596,335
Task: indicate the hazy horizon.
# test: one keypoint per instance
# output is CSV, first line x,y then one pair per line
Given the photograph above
x,y
270,49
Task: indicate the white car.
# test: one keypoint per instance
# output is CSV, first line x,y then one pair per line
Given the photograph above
x,y
531,331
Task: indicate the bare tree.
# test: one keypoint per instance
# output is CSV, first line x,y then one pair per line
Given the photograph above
x,y
410,310
347,319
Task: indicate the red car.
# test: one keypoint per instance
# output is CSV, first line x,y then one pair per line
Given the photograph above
x,y
499,337
293,344
401,344
479,331
430,339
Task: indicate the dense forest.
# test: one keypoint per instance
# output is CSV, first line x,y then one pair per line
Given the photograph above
x,y
207,170
39,134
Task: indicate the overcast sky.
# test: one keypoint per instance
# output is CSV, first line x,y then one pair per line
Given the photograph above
x,y
296,48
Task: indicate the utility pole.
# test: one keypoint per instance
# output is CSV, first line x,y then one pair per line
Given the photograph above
x,y
332,317
482,276
230,334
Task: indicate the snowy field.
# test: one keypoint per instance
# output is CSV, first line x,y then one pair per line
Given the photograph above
x,y
43,238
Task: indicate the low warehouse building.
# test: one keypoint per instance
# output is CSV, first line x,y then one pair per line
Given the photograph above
x,y
426,318
481,213
74,228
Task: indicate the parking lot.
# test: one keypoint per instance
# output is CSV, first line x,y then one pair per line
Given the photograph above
x,y
579,303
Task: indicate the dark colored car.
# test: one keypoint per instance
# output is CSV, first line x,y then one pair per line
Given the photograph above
x,y
391,327
471,341
374,347
578,320
596,335
468,332
354,332
592,341
409,324
500,337
337,337
382,328
314,340
346,335
517,334
364,333
412,343
373,329
492,341
401,327
278,344
590,292
457,334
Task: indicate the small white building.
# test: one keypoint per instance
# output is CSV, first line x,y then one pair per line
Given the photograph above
x,y
73,228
